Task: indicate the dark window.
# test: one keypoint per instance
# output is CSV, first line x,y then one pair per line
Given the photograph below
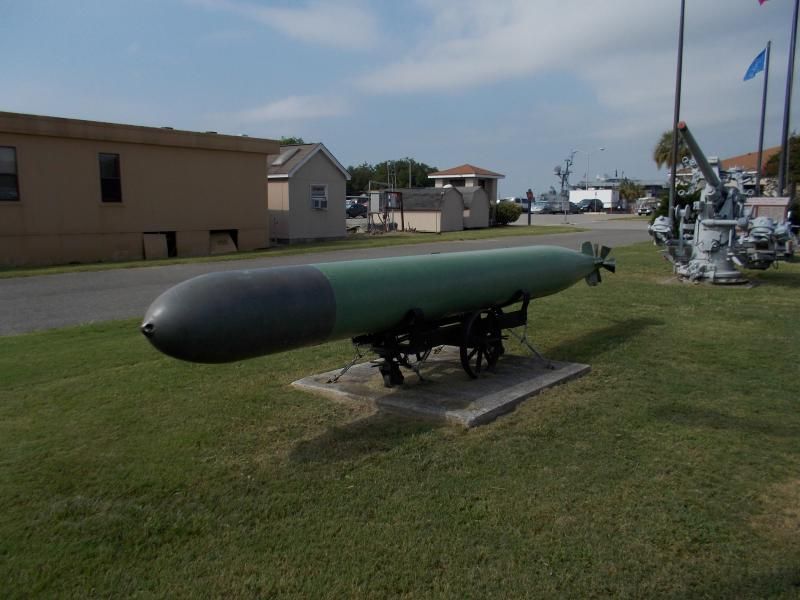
x,y
9,184
319,196
110,184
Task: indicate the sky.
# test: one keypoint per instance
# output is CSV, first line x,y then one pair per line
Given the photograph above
x,y
513,86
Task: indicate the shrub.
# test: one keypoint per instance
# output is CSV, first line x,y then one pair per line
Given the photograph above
x,y
507,212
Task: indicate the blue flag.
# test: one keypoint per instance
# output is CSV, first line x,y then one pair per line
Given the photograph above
x,y
756,66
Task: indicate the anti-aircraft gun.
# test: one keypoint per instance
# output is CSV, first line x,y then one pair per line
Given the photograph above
x,y
716,233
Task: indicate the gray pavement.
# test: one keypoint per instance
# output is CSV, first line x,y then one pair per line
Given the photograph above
x,y
49,301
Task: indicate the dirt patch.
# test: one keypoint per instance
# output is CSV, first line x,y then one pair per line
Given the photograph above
x,y
781,516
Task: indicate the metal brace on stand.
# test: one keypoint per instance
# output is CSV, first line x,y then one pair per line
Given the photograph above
x,y
418,365
356,358
523,339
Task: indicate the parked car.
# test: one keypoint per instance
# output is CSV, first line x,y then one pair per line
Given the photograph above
x,y
356,210
541,207
521,202
350,200
591,205
647,207
644,210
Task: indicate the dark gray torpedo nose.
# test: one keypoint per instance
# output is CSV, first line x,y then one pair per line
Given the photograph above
x,y
147,329
233,315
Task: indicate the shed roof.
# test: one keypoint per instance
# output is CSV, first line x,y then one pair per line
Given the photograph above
x,y
293,157
466,170
425,198
469,193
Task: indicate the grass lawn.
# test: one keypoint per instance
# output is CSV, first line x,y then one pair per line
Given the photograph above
x,y
353,241
671,471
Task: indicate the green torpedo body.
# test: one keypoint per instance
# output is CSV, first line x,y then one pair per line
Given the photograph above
x,y
234,315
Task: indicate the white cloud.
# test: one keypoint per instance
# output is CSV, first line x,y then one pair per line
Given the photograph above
x,y
346,24
469,41
624,50
295,108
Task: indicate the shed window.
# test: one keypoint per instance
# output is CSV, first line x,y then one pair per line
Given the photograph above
x,y
9,183
110,183
319,197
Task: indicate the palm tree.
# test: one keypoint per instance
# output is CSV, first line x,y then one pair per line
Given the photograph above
x,y
629,190
662,153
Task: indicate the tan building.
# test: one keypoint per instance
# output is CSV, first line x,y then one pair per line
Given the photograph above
x,y
432,209
307,187
749,162
84,191
469,176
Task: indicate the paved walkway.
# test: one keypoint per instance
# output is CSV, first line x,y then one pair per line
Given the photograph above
x,y
49,301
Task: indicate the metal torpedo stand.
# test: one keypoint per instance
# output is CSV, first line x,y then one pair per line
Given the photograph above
x,y
478,335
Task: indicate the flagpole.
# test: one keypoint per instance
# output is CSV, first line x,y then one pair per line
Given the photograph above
x,y
763,115
784,162
677,114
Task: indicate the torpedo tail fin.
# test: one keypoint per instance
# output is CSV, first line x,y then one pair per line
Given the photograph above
x,y
600,255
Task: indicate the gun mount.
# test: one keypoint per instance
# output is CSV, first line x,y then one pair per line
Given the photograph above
x,y
716,234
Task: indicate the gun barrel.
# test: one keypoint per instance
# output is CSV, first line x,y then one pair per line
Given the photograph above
x,y
702,162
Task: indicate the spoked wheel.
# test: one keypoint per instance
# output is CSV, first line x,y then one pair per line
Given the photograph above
x,y
482,343
390,371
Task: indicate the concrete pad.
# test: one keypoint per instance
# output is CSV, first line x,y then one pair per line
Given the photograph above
x,y
446,391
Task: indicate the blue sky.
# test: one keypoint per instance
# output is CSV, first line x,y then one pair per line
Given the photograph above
x,y
509,85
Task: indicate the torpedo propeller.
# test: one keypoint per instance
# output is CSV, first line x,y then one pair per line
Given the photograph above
x,y
601,259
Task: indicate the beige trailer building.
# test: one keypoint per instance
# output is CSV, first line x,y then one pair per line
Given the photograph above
x,y
432,209
307,187
83,191
476,207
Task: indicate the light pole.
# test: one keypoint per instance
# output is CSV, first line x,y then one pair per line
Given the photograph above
x,y
588,154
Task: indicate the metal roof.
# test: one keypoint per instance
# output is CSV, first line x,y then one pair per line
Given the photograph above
x,y
425,198
466,170
293,157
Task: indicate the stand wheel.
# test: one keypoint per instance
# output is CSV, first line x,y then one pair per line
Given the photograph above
x,y
482,343
390,371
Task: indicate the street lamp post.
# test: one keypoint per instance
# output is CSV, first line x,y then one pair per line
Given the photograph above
x,y
588,154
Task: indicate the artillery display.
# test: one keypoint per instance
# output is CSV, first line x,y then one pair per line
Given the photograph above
x,y
402,307
717,233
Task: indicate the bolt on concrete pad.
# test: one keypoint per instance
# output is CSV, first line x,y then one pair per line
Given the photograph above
x,y
446,392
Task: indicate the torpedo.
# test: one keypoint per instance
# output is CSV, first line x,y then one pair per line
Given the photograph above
x,y
234,315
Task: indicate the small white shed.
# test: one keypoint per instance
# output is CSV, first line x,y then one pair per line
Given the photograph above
x,y
476,207
433,209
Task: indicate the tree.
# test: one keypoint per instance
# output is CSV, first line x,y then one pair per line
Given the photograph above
x,y
793,170
393,172
628,190
662,153
507,212
291,141
359,179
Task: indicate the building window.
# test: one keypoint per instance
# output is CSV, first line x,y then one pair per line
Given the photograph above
x,y
110,183
9,183
319,196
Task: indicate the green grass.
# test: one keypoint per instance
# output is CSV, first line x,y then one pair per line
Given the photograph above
x,y
671,471
353,241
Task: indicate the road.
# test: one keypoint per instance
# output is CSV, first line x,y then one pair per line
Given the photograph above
x,y
49,301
